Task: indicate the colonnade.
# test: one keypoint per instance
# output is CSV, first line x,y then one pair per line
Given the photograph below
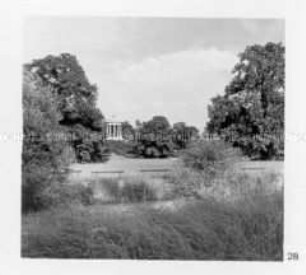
x,y
114,130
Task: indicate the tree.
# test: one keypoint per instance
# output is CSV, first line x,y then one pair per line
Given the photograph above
x,y
128,131
183,134
75,95
155,138
251,113
157,124
75,100
45,151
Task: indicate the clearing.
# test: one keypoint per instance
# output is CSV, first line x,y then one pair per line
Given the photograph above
x,y
121,166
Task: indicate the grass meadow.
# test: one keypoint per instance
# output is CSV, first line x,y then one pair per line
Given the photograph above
x,y
182,215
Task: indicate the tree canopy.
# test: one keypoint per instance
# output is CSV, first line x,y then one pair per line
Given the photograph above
x,y
128,131
75,99
251,112
183,134
157,125
158,138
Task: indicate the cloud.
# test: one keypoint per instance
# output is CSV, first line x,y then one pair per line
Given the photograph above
x,y
178,85
146,66
187,63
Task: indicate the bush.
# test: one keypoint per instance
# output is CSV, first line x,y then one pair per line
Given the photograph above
x,y
154,148
211,157
89,145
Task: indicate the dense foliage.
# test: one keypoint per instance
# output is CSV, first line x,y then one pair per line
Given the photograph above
x,y
183,134
154,138
211,158
75,100
61,125
157,138
128,131
251,112
44,154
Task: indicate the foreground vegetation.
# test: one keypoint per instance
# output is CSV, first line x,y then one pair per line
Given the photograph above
x,y
250,228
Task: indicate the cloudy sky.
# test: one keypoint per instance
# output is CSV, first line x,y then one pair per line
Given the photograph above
x,y
151,66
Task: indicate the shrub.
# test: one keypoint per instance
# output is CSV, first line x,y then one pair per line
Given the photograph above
x,y
211,157
89,145
154,148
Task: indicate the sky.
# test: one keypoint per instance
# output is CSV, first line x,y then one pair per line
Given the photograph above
x,y
151,66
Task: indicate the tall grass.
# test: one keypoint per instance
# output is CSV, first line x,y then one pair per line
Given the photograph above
x,y
244,224
202,229
124,190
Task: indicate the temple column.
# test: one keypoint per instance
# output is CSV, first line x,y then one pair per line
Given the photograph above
x,y
119,131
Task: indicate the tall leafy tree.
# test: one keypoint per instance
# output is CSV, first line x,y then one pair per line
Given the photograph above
x,y
155,138
128,131
251,112
157,124
75,95
75,100
43,154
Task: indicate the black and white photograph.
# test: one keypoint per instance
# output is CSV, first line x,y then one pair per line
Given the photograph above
x,y
153,138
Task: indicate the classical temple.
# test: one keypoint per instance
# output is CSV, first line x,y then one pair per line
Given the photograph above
x,y
113,130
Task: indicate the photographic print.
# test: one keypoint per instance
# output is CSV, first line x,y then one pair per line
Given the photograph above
x,y
153,138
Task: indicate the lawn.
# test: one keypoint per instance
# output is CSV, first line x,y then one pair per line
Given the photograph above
x,y
134,166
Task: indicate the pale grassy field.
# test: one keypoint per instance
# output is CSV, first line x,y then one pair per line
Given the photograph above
x,y
164,174
119,166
